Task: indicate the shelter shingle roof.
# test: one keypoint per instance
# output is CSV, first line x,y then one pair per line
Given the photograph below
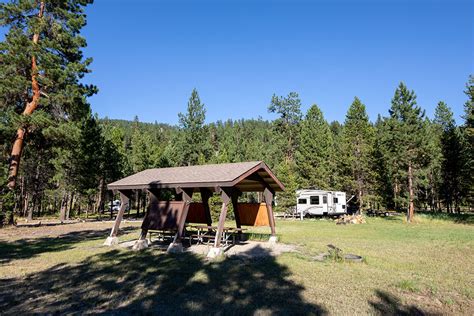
x,y
247,176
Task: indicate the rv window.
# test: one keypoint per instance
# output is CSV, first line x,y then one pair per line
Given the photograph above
x,y
302,201
335,200
314,200
325,200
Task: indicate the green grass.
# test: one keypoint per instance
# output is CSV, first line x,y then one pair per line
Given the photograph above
x,y
425,267
408,285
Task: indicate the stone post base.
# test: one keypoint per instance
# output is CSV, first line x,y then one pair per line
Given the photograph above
x,y
111,241
273,240
175,247
140,244
214,252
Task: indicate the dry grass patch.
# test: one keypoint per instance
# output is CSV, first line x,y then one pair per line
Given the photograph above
x,y
418,268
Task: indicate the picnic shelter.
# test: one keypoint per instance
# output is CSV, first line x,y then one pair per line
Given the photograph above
x,y
170,206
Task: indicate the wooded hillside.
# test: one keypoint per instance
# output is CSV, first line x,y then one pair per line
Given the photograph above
x,y
377,162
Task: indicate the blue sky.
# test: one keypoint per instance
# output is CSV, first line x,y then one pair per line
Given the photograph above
x,y
149,55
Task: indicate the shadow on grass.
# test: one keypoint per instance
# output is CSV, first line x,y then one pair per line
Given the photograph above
x,y
394,218
40,223
29,248
388,304
150,282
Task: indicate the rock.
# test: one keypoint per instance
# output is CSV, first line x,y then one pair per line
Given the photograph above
x,y
140,244
273,240
215,252
111,241
175,247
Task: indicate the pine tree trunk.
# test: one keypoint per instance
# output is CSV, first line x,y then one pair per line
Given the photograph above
x,y
31,106
432,193
433,200
11,216
96,205
411,206
71,204
89,206
395,195
62,213
29,210
22,194
35,203
41,205
24,209
55,204
138,200
100,197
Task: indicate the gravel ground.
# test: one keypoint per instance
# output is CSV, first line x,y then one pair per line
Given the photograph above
x,y
247,249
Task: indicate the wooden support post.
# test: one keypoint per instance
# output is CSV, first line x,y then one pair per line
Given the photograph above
x,y
177,246
124,203
268,195
220,227
235,203
187,198
154,199
205,196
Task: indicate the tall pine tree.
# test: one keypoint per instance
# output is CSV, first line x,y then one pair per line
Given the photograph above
x,y
315,154
432,172
468,145
383,167
451,164
193,145
42,65
358,140
405,142
287,124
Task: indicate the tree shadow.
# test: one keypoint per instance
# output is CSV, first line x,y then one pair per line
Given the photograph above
x,y
40,223
150,282
393,218
31,247
388,304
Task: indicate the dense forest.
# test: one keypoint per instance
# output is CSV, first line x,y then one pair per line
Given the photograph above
x,y
65,167
404,160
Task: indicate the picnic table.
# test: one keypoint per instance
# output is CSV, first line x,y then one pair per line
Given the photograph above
x,y
162,234
209,233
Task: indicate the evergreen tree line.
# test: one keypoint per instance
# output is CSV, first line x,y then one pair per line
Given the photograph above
x,y
403,159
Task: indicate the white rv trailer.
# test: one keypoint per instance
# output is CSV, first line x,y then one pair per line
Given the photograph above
x,y
320,202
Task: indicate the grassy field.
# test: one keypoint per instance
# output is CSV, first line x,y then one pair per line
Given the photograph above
x,y
421,268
